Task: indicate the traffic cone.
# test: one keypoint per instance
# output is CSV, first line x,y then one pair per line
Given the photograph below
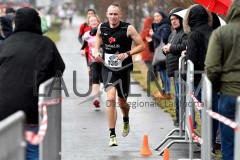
x,y
166,154
145,148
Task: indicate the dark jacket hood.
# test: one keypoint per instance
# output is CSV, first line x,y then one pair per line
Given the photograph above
x,y
27,19
234,11
196,16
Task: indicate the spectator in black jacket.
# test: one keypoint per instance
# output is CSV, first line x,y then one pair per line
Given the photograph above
x,y
177,42
198,26
5,28
26,60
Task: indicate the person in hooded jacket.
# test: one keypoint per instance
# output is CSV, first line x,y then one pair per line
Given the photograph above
x,y
222,66
27,59
197,24
161,31
177,43
5,28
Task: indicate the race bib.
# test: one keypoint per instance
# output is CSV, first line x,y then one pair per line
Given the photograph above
x,y
112,61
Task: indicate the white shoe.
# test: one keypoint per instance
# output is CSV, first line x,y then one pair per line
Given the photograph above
x,y
112,141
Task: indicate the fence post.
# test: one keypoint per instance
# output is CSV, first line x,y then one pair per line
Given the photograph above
x,y
237,133
182,94
190,104
50,148
12,142
206,130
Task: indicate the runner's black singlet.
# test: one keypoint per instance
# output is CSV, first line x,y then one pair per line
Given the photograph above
x,y
115,41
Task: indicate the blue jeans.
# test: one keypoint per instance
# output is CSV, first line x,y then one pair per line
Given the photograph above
x,y
165,79
32,151
227,108
199,98
176,86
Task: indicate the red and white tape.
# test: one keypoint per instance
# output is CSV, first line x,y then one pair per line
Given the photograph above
x,y
223,119
52,101
198,105
195,137
33,138
36,139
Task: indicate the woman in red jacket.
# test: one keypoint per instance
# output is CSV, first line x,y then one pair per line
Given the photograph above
x,y
147,55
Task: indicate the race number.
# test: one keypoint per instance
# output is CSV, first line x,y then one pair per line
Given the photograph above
x,y
112,61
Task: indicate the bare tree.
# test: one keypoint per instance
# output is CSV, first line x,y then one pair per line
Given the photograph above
x,y
133,9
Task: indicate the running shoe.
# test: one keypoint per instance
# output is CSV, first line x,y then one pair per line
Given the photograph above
x,y
96,103
113,141
125,129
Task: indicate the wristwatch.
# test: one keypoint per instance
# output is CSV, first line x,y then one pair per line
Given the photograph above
x,y
128,53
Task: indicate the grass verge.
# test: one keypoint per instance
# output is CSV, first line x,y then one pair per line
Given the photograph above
x,y
167,105
53,35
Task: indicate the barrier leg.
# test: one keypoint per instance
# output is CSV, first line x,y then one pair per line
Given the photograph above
x,y
167,138
173,142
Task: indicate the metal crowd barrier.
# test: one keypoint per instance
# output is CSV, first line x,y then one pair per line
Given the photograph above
x,y
186,109
12,143
182,94
206,120
237,133
50,148
180,138
189,106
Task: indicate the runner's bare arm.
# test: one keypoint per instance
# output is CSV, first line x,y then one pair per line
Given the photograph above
x,y
98,43
137,39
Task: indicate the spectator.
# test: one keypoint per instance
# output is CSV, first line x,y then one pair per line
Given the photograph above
x,y
161,30
197,25
44,26
147,55
10,10
5,28
222,66
177,42
25,53
216,141
10,14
